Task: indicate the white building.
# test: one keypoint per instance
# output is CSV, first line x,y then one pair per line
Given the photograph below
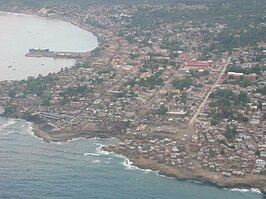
x,y
260,163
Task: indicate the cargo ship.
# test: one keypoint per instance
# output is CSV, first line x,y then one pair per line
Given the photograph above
x,y
38,50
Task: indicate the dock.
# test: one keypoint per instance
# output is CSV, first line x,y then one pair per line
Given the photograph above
x,y
56,54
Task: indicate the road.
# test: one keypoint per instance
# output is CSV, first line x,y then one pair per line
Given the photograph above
x,y
192,120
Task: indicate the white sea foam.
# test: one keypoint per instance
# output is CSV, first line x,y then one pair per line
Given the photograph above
x,y
195,181
98,144
247,190
76,139
129,165
10,122
101,151
30,131
92,154
58,143
164,176
95,138
7,132
96,161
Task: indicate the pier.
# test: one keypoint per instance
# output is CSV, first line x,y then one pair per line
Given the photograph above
x,y
56,54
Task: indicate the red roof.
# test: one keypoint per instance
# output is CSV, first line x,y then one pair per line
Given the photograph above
x,y
198,65
261,43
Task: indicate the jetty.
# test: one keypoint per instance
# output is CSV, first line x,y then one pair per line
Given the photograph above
x,y
56,54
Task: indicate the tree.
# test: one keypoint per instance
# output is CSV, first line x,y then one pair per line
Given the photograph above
x,y
182,83
257,153
230,133
10,109
243,98
183,97
12,93
46,103
162,110
222,151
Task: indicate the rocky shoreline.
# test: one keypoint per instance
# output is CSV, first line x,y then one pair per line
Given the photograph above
x,y
212,178
63,136
246,182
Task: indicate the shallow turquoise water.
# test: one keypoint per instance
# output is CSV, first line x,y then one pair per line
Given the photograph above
x,y
31,168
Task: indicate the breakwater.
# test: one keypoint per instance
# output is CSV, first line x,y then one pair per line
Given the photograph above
x,y
57,54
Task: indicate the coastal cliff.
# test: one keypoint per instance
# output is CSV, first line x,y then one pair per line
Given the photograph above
x,y
246,182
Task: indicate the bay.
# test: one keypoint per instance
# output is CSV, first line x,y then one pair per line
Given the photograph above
x,y
19,33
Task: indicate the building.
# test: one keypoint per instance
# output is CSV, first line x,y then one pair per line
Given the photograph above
x,y
234,75
204,65
260,163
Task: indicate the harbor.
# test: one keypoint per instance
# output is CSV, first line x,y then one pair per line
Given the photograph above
x,y
56,54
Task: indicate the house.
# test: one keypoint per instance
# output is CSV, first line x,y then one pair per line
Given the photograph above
x,y
260,163
261,44
234,75
204,65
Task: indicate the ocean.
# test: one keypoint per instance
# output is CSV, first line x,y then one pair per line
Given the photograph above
x,y
32,168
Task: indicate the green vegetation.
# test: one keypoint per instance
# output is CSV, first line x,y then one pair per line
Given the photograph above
x,y
197,73
120,95
12,93
171,45
262,90
98,81
10,109
230,133
46,102
182,83
37,86
162,110
242,81
149,82
226,144
227,105
94,23
257,70
96,51
103,71
75,91
183,98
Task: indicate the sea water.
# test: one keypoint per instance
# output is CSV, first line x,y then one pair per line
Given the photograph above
x,y
19,33
32,168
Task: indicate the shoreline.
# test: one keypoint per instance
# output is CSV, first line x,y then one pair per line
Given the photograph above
x,y
136,161
144,164
76,24
162,169
199,177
